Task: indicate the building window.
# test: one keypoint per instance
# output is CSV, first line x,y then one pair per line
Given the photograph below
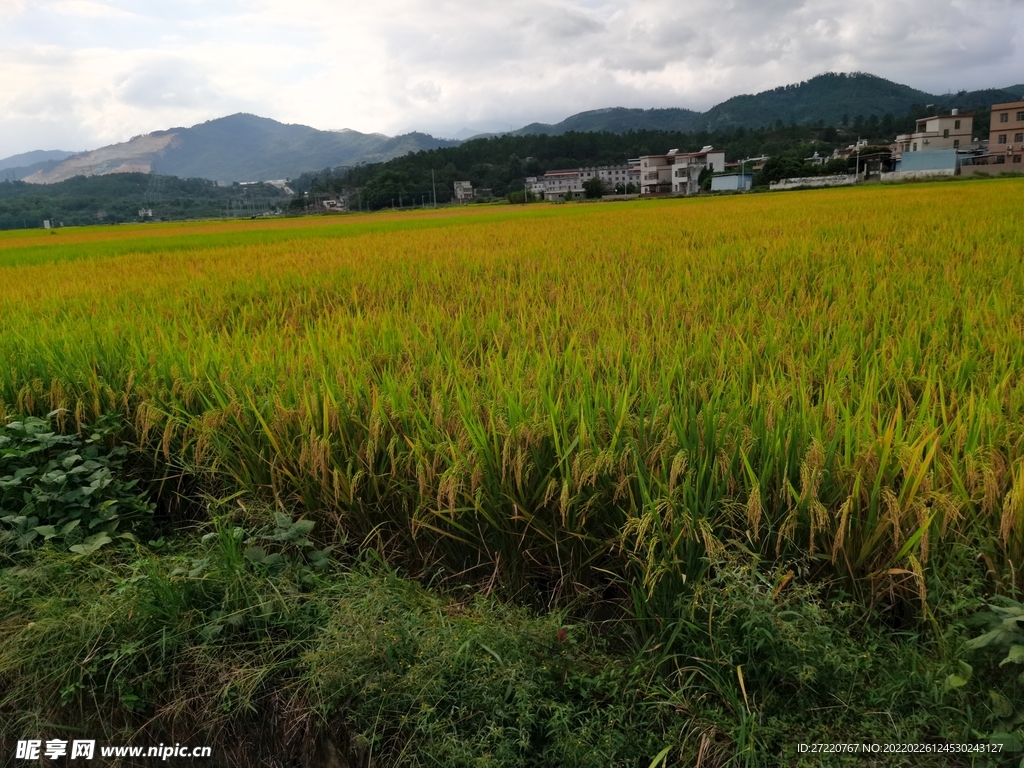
x,y
956,125
1016,158
1002,138
945,133
1018,138
1004,117
1020,117
915,147
956,143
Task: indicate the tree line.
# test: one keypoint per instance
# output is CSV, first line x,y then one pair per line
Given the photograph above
x,y
501,163
117,198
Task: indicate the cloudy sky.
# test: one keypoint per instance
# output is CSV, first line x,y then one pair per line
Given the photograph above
x,y
77,74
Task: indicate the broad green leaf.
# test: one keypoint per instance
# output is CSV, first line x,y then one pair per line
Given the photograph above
x,y
1015,656
1012,742
1001,706
960,678
91,544
987,639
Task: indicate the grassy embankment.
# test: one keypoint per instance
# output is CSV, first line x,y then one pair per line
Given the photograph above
x,y
772,444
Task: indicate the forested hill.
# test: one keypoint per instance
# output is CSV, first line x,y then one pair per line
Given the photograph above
x,y
239,147
836,99
246,147
618,120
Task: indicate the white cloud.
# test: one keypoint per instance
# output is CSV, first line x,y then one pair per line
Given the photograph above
x,y
9,9
89,9
81,73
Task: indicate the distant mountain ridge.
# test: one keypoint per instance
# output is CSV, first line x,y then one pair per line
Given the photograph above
x,y
27,163
828,97
35,157
244,147
239,147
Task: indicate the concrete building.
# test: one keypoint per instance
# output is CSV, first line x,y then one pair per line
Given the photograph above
x,y
554,184
733,182
677,172
687,167
656,174
463,191
952,131
1006,139
613,175
557,185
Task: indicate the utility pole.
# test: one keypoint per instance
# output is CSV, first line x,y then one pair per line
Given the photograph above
x,y
433,186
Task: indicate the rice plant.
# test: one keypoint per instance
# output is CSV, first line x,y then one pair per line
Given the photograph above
x,y
557,400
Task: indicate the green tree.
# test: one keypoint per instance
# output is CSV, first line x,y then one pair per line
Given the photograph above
x,y
704,179
593,187
385,187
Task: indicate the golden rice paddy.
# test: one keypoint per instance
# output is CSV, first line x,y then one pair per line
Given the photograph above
x,y
553,394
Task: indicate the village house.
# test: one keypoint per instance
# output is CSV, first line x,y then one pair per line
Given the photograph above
x,y
678,172
952,131
1006,139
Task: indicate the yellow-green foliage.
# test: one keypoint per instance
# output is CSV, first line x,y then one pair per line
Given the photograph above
x,y
551,394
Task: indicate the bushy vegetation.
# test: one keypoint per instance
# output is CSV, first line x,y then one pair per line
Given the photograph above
x,y
760,455
205,640
64,488
117,198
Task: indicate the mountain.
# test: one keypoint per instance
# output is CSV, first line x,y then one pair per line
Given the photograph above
x,y
239,147
18,167
245,147
37,157
830,97
618,120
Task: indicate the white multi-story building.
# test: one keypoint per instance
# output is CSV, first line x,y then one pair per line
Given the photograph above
x,y
677,172
463,191
556,185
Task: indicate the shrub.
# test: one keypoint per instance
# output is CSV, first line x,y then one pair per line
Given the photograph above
x,y
68,489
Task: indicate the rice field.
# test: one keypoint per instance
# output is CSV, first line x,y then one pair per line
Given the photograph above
x,y
562,398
